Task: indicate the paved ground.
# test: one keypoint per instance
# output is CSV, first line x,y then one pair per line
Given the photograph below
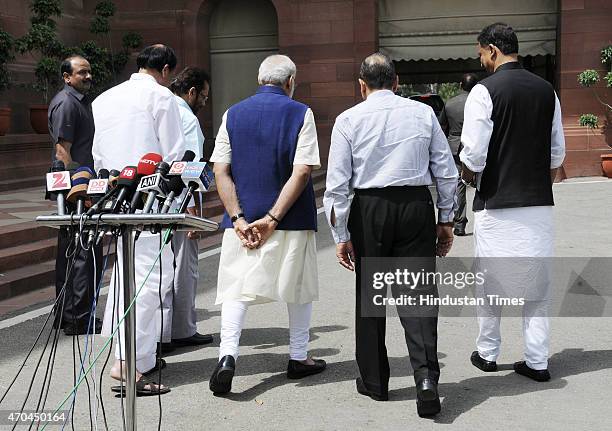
x,y
577,398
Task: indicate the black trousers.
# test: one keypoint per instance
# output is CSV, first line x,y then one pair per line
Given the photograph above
x,y
80,288
461,219
393,222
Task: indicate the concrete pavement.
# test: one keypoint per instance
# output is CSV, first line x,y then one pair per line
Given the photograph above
x,y
263,398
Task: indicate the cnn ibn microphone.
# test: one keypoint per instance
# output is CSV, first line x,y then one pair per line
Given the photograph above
x,y
146,166
176,185
78,192
197,176
154,185
58,183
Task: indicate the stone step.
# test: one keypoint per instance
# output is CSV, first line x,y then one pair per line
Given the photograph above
x,y
24,233
31,253
22,183
26,279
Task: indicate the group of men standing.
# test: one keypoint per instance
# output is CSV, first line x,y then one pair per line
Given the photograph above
x,y
384,153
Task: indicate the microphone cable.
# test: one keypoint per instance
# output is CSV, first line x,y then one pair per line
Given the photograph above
x,y
161,337
70,266
115,329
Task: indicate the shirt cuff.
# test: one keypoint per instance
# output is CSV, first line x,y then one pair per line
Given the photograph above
x,y
445,215
469,164
340,234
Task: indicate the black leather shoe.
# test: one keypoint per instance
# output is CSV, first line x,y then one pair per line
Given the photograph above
x,y
81,328
297,370
483,364
459,231
166,347
221,379
428,401
361,388
195,340
538,375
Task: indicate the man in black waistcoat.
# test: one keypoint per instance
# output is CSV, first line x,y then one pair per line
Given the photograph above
x,y
513,144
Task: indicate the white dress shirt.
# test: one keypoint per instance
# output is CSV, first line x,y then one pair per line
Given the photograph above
x,y
306,152
194,138
478,128
385,141
133,118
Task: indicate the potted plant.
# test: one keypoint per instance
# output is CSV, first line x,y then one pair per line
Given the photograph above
x,y
42,39
6,55
588,79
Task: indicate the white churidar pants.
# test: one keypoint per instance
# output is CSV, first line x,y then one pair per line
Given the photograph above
x,y
148,316
233,314
515,233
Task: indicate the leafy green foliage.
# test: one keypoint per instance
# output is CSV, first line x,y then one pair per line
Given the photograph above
x,y
105,9
608,79
448,90
589,120
6,55
131,40
606,56
588,78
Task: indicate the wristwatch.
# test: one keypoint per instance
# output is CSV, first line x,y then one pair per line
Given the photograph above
x,y
236,217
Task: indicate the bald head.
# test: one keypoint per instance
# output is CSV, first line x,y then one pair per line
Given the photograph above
x,y
276,70
378,72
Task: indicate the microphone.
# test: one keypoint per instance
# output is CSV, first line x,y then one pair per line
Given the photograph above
x,y
125,186
113,176
176,185
197,176
98,187
58,182
155,185
78,193
146,166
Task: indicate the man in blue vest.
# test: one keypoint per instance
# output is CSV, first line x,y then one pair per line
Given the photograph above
x,y
264,153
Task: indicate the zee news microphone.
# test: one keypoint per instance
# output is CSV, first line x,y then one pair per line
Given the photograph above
x,y
176,185
58,184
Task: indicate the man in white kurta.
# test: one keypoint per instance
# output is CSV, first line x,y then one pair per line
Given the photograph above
x,y
132,119
190,88
265,150
513,141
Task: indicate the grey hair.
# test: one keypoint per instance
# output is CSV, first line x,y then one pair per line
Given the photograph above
x,y
276,70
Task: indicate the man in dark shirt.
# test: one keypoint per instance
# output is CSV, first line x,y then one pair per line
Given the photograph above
x,y
452,123
71,126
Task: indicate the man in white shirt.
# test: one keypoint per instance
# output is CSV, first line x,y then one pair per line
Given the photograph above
x,y
136,117
513,140
387,150
190,87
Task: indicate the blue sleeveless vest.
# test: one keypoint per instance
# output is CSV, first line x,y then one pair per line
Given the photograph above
x,y
263,133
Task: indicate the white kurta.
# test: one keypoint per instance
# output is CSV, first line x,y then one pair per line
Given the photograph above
x,y
136,117
519,241
285,267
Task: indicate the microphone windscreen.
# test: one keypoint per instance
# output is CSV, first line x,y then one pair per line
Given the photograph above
x,y
103,174
80,180
188,156
163,168
148,163
57,166
113,176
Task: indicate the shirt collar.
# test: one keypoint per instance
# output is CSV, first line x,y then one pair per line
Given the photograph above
x,y
271,89
70,90
142,76
512,65
182,102
380,93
